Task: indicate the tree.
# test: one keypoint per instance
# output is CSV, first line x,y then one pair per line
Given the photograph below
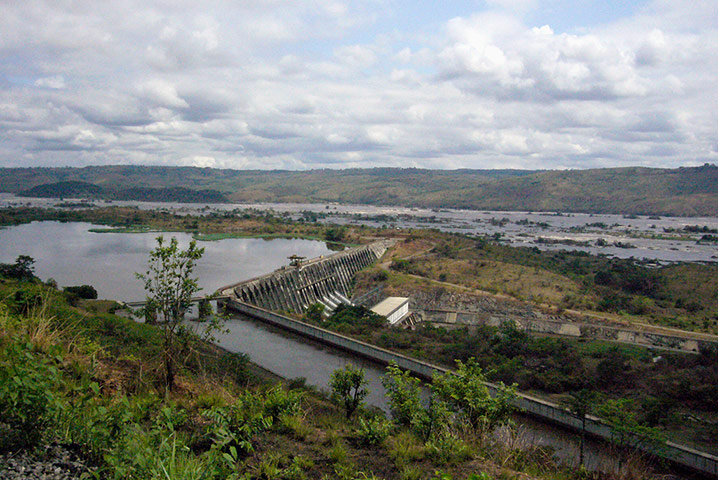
x,y
204,309
407,408
313,314
628,433
466,393
22,269
349,387
87,292
580,404
170,285
403,391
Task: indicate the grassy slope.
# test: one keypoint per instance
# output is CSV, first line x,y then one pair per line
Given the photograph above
x,y
683,191
102,397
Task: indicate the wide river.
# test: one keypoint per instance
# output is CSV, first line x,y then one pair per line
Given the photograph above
x,y
657,239
73,255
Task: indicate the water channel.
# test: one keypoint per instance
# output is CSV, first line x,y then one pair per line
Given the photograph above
x,y
72,254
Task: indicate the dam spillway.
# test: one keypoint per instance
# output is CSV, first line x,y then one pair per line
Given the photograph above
x,y
326,280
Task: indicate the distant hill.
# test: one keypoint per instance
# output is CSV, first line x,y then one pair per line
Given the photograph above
x,y
79,189
652,191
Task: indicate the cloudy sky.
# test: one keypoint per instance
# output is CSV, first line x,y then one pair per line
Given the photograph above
x,y
299,84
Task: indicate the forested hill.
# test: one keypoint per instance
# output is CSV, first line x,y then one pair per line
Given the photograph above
x,y
684,191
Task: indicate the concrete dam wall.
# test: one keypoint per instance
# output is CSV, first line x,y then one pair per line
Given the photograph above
x,y
325,280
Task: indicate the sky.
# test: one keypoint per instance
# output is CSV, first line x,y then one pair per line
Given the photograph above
x,y
294,84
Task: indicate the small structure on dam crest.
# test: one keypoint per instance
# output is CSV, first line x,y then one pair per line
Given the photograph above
x,y
325,280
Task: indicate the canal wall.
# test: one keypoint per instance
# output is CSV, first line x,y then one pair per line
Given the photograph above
x,y
547,411
326,280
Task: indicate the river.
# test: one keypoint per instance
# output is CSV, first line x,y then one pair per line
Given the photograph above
x,y
659,239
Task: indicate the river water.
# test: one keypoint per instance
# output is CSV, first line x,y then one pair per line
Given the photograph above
x,y
73,255
660,239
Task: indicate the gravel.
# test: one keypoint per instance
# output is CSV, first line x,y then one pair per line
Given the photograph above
x,y
54,462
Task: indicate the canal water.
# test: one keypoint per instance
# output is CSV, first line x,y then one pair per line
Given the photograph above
x,y
73,255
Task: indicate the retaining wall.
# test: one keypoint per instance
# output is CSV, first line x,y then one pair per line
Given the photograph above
x,y
572,329
679,454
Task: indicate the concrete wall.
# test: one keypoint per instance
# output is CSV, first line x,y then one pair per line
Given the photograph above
x,y
293,289
544,410
571,329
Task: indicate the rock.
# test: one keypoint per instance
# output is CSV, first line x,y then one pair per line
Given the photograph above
x,y
54,462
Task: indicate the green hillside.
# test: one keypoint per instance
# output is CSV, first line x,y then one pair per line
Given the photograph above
x,y
683,192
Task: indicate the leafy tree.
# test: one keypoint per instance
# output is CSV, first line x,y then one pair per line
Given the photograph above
x,y
432,421
170,285
580,404
313,314
403,392
22,269
82,291
335,234
349,387
467,394
628,433
204,309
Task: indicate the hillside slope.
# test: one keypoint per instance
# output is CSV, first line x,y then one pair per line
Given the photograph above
x,y
683,192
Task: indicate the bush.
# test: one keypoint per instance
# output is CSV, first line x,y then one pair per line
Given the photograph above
x,y
349,388
403,392
86,292
28,404
448,449
373,431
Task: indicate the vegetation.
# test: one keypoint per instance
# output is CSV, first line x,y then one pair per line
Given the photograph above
x,y
682,191
94,382
170,286
665,389
348,386
79,189
679,295
22,269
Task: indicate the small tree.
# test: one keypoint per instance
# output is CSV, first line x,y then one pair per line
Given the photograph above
x,y
204,309
403,391
170,285
467,394
23,269
628,433
313,314
580,404
349,387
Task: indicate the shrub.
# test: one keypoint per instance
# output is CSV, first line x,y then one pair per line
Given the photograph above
x,y
87,292
28,403
403,392
448,449
373,431
349,388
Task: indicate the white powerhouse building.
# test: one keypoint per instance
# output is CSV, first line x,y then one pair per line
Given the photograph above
x,y
393,308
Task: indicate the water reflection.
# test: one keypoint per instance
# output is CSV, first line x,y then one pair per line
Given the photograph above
x,y
73,255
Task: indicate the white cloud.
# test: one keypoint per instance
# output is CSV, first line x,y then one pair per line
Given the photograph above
x,y
56,82
161,93
330,83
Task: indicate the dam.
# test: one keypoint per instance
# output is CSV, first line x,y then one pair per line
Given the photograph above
x,y
325,280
